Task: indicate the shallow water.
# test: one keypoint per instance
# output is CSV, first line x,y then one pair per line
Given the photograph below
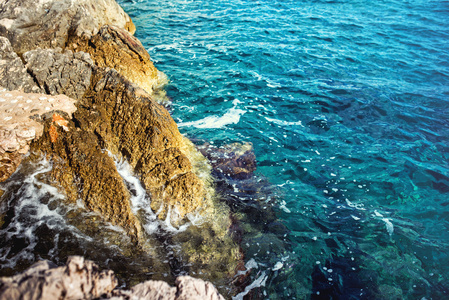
x,y
346,103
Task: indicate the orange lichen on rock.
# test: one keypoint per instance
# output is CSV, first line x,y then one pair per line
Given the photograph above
x,y
58,119
53,133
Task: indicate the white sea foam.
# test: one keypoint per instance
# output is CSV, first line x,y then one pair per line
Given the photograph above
x,y
232,116
141,204
355,205
33,208
279,265
250,264
260,281
284,123
389,226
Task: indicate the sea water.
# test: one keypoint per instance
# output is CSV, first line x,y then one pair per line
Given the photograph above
x,y
347,105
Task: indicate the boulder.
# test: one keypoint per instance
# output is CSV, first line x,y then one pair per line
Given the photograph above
x,y
116,48
186,288
13,73
190,288
49,23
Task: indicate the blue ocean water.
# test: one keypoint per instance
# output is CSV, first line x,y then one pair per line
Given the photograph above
x,y
346,103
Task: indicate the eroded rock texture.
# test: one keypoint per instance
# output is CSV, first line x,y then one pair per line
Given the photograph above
x,y
13,73
130,124
116,48
56,73
82,279
19,116
48,24
78,279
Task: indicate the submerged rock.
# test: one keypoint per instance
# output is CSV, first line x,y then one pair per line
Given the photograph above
x,y
236,160
48,24
82,279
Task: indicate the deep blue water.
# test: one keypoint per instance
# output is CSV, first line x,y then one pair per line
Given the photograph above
x,y
347,105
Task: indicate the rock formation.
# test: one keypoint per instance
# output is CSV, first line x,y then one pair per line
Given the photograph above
x,y
13,73
56,73
78,279
85,50
82,279
234,160
48,24
18,129
116,48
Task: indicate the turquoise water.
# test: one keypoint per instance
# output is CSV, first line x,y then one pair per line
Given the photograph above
x,y
347,105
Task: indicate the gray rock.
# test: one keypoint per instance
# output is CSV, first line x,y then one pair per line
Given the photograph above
x,y
78,279
187,288
190,288
48,23
56,73
13,73
81,279
148,290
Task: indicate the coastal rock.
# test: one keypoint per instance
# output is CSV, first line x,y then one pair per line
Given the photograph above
x,y
48,24
86,171
186,288
19,115
82,279
190,288
236,160
56,73
131,125
78,279
148,290
13,73
116,48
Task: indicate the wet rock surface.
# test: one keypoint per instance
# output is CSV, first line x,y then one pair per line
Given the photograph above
x,y
48,24
82,279
236,160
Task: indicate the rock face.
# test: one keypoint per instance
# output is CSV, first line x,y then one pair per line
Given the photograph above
x,y
118,116
82,279
100,28
13,74
18,129
48,24
116,48
114,83
56,73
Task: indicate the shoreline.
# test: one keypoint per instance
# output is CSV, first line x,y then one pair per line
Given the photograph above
x,y
100,55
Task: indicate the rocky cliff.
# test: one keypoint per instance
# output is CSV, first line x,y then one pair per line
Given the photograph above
x,y
82,53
